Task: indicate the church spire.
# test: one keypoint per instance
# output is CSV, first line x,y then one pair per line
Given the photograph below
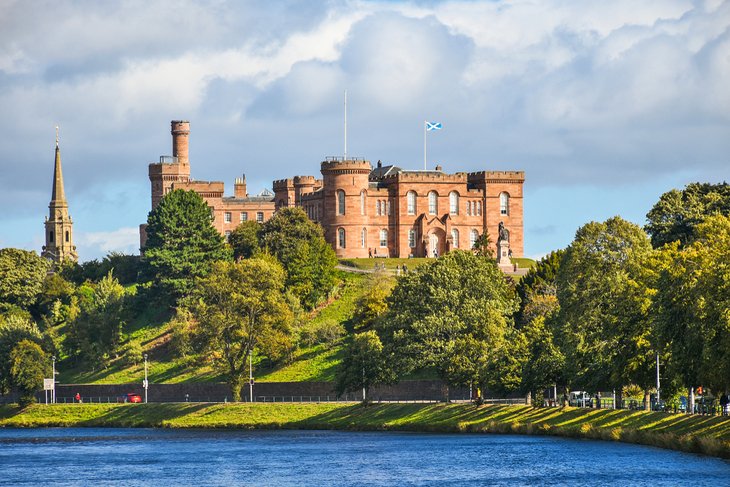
x,y
58,195
59,226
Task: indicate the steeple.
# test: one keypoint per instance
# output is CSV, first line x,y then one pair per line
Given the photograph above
x,y
59,226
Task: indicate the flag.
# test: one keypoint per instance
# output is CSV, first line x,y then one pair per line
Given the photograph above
x,y
433,126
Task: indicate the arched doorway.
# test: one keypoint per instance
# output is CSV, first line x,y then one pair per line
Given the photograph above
x,y
436,242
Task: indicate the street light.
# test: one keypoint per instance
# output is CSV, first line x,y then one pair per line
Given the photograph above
x,y
145,383
53,391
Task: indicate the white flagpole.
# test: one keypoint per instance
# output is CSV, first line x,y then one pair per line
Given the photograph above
x,y
345,125
424,145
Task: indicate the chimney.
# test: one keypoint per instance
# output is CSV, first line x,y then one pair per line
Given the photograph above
x,y
180,131
239,188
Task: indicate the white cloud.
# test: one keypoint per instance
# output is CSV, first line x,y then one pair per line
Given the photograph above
x,y
92,245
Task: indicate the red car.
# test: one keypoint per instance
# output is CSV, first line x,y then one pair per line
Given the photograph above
x,y
131,397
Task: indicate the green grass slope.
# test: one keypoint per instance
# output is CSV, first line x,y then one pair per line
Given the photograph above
x,y
699,434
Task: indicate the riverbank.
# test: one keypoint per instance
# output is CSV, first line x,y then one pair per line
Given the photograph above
x,y
696,434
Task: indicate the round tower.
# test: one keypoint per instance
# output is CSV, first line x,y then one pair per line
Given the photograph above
x,y
180,132
345,185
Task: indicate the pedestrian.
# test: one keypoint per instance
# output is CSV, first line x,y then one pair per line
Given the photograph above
x,y
370,253
724,401
78,398
397,270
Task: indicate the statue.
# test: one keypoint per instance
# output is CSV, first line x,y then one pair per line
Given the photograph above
x,y
504,253
503,233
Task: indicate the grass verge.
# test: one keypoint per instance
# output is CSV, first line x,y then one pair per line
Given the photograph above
x,y
696,434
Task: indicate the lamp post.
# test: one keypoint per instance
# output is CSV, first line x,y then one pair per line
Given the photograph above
x,y
144,384
250,376
53,391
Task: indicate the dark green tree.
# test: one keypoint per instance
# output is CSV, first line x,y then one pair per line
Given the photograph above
x,y
539,280
14,329
29,366
240,307
451,314
244,240
678,212
364,365
604,293
181,244
21,277
308,259
371,304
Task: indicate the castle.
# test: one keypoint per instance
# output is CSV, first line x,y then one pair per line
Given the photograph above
x,y
384,211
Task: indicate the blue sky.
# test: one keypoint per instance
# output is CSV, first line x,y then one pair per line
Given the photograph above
x,y
604,105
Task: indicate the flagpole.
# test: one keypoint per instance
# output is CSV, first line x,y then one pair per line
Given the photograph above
x,y
424,145
345,158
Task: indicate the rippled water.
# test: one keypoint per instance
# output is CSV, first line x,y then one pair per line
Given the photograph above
x,y
93,456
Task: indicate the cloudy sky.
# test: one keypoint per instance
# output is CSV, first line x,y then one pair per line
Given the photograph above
x,y
604,105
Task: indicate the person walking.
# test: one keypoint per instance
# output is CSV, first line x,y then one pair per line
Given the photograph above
x,y
78,398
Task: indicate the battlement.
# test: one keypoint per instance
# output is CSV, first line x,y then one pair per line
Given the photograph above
x,y
304,180
206,189
426,176
497,176
349,166
283,184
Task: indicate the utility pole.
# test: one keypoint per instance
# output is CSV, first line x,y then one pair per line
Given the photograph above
x,y
145,383
53,391
250,376
657,379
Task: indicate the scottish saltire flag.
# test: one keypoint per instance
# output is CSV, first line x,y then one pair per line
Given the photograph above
x,y
433,126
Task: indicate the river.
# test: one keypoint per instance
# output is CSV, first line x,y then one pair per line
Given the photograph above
x,y
116,456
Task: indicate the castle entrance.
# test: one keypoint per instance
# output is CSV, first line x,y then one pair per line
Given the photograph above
x,y
436,239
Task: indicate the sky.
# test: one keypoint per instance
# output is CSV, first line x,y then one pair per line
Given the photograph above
x,y
604,105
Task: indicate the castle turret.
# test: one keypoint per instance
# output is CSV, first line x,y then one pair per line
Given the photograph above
x,y
59,226
180,132
345,184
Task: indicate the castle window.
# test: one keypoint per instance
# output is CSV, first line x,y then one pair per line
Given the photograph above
x,y
411,196
455,238
363,197
340,202
387,206
468,208
433,203
227,217
364,238
473,236
341,237
503,204
383,237
260,217
244,216
377,207
68,236
479,208
50,236
412,238
454,203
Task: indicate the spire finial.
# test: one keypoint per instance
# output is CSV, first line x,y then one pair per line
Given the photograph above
x,y
56,135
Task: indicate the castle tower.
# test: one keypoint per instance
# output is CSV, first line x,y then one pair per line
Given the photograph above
x,y
345,185
171,169
59,226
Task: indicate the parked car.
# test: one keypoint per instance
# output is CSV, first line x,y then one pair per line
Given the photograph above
x,y
580,399
130,397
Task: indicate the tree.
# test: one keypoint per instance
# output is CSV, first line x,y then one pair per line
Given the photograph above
x,y
677,214
364,365
692,303
482,246
244,240
21,277
97,331
539,281
451,314
308,259
239,307
181,243
371,304
604,294
13,330
29,365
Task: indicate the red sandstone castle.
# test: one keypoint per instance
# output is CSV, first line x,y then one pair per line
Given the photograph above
x,y
382,211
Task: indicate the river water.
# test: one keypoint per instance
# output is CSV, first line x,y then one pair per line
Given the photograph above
x,y
109,456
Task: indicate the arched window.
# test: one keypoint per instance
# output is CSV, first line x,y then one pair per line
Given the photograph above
x,y
412,238
479,208
455,237
387,206
50,236
503,204
363,197
377,207
364,238
68,236
473,236
454,203
411,197
468,208
340,202
341,237
383,237
433,203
